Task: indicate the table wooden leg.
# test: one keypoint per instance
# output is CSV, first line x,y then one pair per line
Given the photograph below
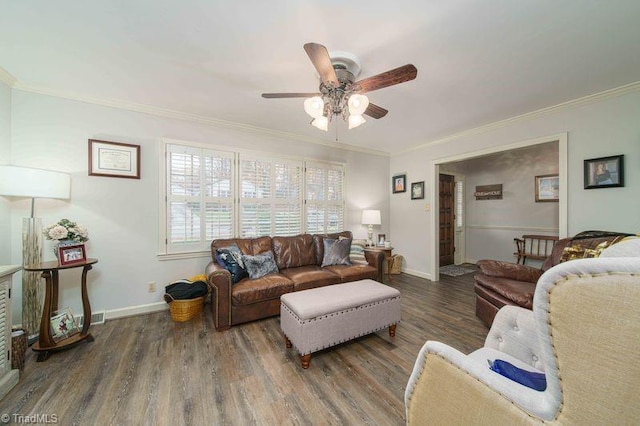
x,y
51,285
86,306
392,330
306,360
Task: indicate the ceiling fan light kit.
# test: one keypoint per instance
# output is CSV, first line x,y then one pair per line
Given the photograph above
x,y
339,93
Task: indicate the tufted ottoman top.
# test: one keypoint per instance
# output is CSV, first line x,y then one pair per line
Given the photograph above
x,y
320,301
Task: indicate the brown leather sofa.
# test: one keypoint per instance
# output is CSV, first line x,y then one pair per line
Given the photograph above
x,y
298,259
503,283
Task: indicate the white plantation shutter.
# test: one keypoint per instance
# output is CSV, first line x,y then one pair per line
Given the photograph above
x,y
5,329
324,204
270,197
200,188
459,204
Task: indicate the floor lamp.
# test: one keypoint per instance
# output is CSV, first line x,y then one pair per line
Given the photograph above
x,y
32,183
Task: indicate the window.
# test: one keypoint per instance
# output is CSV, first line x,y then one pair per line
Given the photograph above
x,y
459,204
324,204
200,186
270,197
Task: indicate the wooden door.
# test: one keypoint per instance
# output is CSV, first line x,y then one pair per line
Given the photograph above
x,y
447,219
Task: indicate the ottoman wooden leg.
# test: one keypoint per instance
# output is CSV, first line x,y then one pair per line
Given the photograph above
x,y
306,360
392,330
287,342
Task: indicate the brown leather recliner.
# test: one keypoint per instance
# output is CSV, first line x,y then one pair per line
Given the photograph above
x,y
503,283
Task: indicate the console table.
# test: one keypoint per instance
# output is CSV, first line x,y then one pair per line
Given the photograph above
x,y
387,254
45,344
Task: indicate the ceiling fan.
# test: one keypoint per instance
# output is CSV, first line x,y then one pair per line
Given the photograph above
x,y
339,92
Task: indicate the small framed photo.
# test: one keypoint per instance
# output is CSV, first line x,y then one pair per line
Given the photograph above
x,y
114,159
381,239
605,172
417,190
63,325
70,255
547,188
399,183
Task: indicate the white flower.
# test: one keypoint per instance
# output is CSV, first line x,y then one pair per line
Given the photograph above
x,y
58,232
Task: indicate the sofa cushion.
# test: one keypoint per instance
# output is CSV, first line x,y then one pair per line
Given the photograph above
x,y
520,293
259,265
230,258
353,272
271,286
336,252
356,254
292,252
311,276
318,241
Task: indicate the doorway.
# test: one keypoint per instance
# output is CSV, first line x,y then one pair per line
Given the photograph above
x,y
446,218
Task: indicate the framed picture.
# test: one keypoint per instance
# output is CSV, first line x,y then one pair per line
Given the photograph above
x,y
63,325
70,255
547,188
605,172
381,239
417,190
114,159
399,183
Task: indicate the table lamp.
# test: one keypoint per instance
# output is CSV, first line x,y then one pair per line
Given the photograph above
x,y
31,183
370,217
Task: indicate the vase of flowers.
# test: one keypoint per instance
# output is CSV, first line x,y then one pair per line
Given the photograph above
x,y
65,233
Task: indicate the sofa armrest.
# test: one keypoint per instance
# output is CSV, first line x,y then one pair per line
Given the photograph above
x,y
376,259
513,271
514,332
219,280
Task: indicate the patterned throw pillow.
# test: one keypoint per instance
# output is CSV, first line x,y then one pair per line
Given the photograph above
x,y
356,255
231,259
336,252
260,265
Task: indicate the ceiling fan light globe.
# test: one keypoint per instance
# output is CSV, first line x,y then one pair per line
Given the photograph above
x,y
321,123
314,106
355,121
358,104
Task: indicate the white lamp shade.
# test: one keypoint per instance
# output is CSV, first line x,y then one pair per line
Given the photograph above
x,y
358,104
321,123
355,121
314,106
34,183
371,217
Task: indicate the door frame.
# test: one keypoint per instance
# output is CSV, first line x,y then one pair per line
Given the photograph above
x,y
434,171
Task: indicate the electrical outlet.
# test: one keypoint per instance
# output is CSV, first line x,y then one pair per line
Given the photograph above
x,y
151,287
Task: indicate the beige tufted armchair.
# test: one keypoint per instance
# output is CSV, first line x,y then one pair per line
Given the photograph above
x,y
583,333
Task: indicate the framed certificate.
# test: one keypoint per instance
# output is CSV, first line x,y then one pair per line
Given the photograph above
x,y
114,159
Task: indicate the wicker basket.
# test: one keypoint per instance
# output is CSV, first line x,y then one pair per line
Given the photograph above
x,y
18,349
184,310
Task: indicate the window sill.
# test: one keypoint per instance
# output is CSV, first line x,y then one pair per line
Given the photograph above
x,y
184,255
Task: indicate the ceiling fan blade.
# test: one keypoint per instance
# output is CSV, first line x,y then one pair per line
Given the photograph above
x,y
289,95
321,60
375,111
395,76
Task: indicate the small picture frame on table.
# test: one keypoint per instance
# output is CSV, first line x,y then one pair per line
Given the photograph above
x,y
381,239
63,325
417,190
399,183
604,172
71,255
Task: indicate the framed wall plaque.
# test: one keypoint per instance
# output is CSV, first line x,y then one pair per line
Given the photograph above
x,y
114,159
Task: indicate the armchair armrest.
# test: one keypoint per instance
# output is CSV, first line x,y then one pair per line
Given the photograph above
x,y
219,279
513,271
376,259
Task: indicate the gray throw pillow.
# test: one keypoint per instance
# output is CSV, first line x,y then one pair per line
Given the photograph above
x,y
336,252
260,265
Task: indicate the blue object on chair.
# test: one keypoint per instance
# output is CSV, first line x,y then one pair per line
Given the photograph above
x,y
529,379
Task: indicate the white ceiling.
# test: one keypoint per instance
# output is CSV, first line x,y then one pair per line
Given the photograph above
x,y
479,61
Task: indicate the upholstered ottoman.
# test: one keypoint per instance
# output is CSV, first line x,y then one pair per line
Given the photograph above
x,y
318,318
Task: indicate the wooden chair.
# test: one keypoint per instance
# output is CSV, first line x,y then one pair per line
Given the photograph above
x,y
537,247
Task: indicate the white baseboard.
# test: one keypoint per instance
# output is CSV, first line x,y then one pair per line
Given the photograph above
x,y
415,273
136,310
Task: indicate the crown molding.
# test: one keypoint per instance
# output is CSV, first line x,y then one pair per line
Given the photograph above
x,y
7,78
596,97
178,115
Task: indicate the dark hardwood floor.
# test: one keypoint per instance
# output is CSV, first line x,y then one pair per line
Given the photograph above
x,y
150,370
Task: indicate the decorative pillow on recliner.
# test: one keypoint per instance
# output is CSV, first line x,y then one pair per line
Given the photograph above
x,y
231,259
336,252
260,265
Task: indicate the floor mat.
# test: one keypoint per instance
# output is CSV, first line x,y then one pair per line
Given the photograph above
x,y
456,270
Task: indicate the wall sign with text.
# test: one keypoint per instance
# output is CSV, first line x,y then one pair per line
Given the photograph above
x,y
488,192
